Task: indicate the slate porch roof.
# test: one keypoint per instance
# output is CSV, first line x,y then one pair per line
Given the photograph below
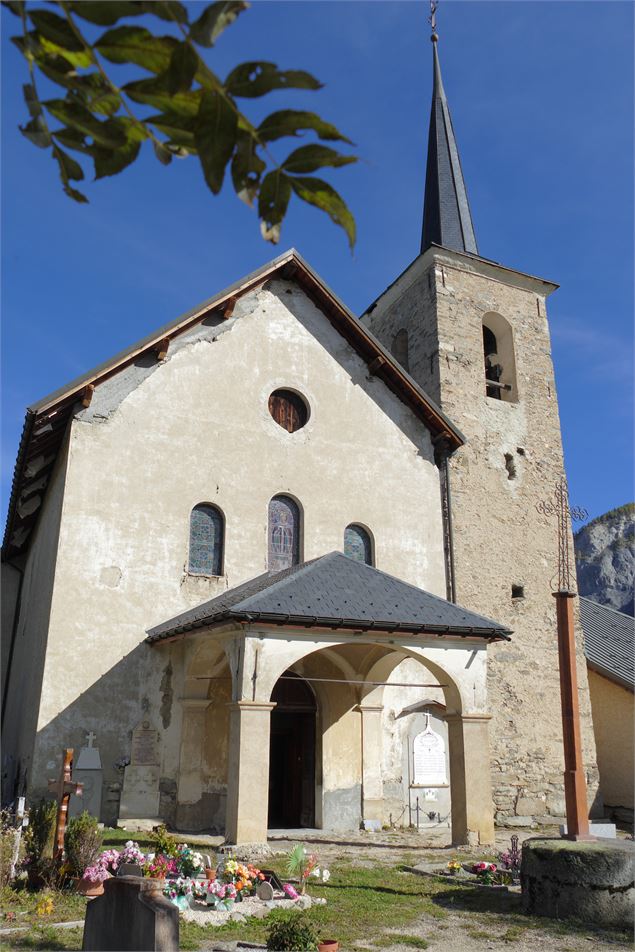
x,y
609,642
334,591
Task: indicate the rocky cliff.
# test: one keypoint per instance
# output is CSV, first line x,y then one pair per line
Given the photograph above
x,y
605,558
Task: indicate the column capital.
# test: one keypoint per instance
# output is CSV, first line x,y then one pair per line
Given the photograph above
x,y
251,705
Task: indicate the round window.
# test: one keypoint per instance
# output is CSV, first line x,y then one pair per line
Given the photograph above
x,y
288,410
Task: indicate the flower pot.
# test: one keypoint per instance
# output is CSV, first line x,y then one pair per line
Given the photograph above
x,y
210,873
328,945
87,888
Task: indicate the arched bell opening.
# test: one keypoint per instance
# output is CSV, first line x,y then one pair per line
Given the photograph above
x,y
292,754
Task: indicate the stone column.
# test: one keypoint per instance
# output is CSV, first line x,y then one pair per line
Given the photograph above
x,y
190,785
471,786
248,772
372,782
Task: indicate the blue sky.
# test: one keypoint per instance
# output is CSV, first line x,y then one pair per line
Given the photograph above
x,y
541,95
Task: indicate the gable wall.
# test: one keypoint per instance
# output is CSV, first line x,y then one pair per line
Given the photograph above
x,y
197,429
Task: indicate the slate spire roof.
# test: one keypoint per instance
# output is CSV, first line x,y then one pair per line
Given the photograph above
x,y
447,220
609,642
336,592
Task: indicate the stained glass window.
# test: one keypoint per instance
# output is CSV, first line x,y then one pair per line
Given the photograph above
x,y
283,534
206,541
357,544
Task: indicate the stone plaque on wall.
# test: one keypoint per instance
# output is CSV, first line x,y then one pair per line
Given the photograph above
x,y
140,794
429,759
145,746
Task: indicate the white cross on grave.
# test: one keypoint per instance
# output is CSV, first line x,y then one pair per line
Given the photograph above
x,y
90,737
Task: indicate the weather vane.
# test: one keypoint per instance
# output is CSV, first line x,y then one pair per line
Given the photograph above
x,y
560,508
432,19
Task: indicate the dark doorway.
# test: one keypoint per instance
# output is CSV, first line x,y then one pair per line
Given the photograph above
x,y
292,755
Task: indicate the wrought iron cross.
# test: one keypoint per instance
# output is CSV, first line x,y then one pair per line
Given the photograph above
x,y
63,787
432,19
559,507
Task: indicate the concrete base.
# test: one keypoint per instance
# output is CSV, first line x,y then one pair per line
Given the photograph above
x,y
602,829
590,881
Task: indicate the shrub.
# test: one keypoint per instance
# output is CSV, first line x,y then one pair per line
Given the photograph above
x,y
7,840
163,841
292,933
82,842
39,838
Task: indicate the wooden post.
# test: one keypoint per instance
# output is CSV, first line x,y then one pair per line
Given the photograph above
x,y
574,782
63,787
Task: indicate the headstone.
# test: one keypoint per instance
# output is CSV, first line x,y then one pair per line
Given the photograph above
x,y
429,758
88,771
132,916
140,794
264,891
129,869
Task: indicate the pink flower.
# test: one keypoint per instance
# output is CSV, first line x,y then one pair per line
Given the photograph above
x,y
290,891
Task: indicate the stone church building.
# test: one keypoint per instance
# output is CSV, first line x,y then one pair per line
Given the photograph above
x,y
313,594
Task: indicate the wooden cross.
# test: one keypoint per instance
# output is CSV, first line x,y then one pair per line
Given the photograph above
x,y
63,787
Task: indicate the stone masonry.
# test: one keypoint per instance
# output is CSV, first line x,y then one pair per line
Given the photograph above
x,y
511,460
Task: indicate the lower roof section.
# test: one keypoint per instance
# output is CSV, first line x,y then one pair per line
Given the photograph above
x,y
336,592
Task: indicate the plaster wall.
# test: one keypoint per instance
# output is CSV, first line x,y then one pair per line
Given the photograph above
x,y
614,725
500,539
194,429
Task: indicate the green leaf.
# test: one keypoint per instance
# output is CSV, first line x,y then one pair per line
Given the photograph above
x,y
273,201
113,161
75,195
163,155
182,69
246,169
214,19
153,92
31,100
57,69
215,137
180,129
73,139
79,58
36,132
322,195
308,158
15,6
106,12
69,168
73,114
256,79
134,44
288,122
56,29
109,12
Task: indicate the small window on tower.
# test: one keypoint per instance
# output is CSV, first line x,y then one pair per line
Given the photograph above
x,y
288,410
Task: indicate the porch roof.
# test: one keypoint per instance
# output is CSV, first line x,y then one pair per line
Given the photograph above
x,y
334,591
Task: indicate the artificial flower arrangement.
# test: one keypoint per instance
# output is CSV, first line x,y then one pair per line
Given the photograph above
x,y
244,876
480,869
96,874
453,867
220,895
302,864
188,862
159,866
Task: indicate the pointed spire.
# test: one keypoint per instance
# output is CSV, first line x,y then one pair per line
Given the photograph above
x,y
446,211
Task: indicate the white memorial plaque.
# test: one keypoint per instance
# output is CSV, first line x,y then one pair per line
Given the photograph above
x,y
429,758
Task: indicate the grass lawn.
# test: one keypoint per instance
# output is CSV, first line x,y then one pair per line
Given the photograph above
x,y
377,905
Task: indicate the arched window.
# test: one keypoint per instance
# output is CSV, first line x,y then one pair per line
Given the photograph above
x,y
499,360
283,534
357,544
399,348
207,528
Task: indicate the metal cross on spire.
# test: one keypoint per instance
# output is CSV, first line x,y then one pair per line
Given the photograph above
x,y
560,507
432,19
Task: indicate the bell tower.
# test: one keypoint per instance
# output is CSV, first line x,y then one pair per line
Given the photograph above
x,y
474,334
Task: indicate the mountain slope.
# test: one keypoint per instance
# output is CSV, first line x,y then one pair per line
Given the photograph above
x,y
605,558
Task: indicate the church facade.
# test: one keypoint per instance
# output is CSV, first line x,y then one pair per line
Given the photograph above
x,y
310,594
